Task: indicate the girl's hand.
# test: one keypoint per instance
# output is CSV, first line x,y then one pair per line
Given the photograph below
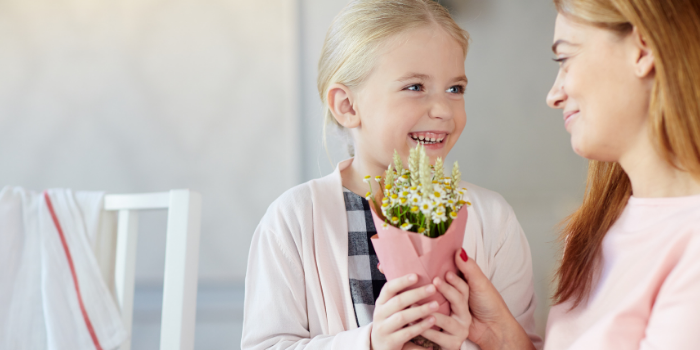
x,y
456,327
392,319
492,325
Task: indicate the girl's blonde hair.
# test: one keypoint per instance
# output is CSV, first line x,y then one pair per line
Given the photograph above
x,y
352,42
671,28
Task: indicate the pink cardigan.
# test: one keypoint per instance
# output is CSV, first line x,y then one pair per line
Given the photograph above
x,y
648,292
297,286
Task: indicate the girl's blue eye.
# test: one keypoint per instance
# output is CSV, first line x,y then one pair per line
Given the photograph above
x,y
457,89
415,87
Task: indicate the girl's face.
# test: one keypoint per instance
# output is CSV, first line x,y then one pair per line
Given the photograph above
x,y
603,88
415,94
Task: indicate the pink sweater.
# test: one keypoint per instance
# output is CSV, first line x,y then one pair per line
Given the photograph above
x,y
648,292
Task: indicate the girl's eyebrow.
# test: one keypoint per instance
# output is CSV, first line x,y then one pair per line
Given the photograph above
x,y
420,76
410,76
462,79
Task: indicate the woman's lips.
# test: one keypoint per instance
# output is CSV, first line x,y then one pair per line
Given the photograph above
x,y
568,117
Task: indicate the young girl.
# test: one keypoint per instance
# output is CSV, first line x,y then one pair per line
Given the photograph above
x,y
629,90
392,74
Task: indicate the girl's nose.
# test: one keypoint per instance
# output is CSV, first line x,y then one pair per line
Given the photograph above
x,y
557,96
440,108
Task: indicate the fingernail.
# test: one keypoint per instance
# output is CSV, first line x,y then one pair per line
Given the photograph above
x,y
412,277
434,305
463,255
430,320
449,275
430,288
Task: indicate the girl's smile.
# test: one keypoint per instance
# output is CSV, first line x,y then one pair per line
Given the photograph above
x,y
432,140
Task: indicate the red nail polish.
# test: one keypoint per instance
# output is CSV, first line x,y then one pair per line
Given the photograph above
x,y
463,255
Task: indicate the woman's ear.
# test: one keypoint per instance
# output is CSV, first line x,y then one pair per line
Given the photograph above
x,y
341,102
644,63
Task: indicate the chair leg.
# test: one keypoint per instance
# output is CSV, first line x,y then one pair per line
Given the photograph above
x,y
181,264
125,269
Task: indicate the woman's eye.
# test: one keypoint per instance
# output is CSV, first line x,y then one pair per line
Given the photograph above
x,y
415,87
560,60
457,89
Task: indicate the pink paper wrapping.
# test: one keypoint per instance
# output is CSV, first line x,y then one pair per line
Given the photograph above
x,y
401,252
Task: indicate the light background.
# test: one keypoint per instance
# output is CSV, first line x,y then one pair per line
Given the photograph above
x,y
220,96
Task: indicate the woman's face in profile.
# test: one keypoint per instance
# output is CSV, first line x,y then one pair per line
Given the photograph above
x,y
601,88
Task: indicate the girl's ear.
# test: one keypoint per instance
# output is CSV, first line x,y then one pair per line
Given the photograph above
x,y
342,105
644,63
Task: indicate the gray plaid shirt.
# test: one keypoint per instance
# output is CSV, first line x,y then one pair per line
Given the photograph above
x,y
365,279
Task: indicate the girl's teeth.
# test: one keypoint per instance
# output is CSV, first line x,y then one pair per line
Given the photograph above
x,y
420,138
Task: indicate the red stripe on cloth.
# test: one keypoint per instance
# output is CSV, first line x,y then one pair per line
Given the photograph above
x,y
72,271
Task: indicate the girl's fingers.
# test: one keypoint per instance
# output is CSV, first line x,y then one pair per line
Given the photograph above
x,y
405,299
446,341
451,326
458,301
394,286
406,317
457,282
405,334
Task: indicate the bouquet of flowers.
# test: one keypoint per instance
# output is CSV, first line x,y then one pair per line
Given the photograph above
x,y
419,199
421,221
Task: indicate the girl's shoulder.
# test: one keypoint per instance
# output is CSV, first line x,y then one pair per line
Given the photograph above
x,y
486,202
295,206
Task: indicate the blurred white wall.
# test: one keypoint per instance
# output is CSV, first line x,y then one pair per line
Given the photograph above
x,y
149,95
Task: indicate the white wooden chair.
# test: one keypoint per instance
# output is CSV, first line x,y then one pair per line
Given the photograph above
x,y
181,261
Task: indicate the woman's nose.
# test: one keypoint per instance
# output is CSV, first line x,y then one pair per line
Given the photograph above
x,y
557,95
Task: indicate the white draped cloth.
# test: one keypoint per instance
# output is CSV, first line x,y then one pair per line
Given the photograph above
x,y
52,293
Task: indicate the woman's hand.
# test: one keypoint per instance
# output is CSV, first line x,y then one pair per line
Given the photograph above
x,y
392,321
492,326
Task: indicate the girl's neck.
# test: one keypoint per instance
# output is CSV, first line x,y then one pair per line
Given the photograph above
x,y
355,173
653,177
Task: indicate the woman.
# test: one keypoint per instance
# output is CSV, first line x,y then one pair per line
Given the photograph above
x,y
629,89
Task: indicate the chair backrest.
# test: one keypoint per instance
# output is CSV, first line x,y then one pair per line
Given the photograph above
x,y
181,261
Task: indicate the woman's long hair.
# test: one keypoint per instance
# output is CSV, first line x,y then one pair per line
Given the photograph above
x,y
671,28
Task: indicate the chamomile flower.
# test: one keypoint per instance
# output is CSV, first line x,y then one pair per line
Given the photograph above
x,y
439,215
415,199
368,196
395,220
415,209
394,198
426,207
403,200
453,215
385,226
404,194
406,226
367,179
